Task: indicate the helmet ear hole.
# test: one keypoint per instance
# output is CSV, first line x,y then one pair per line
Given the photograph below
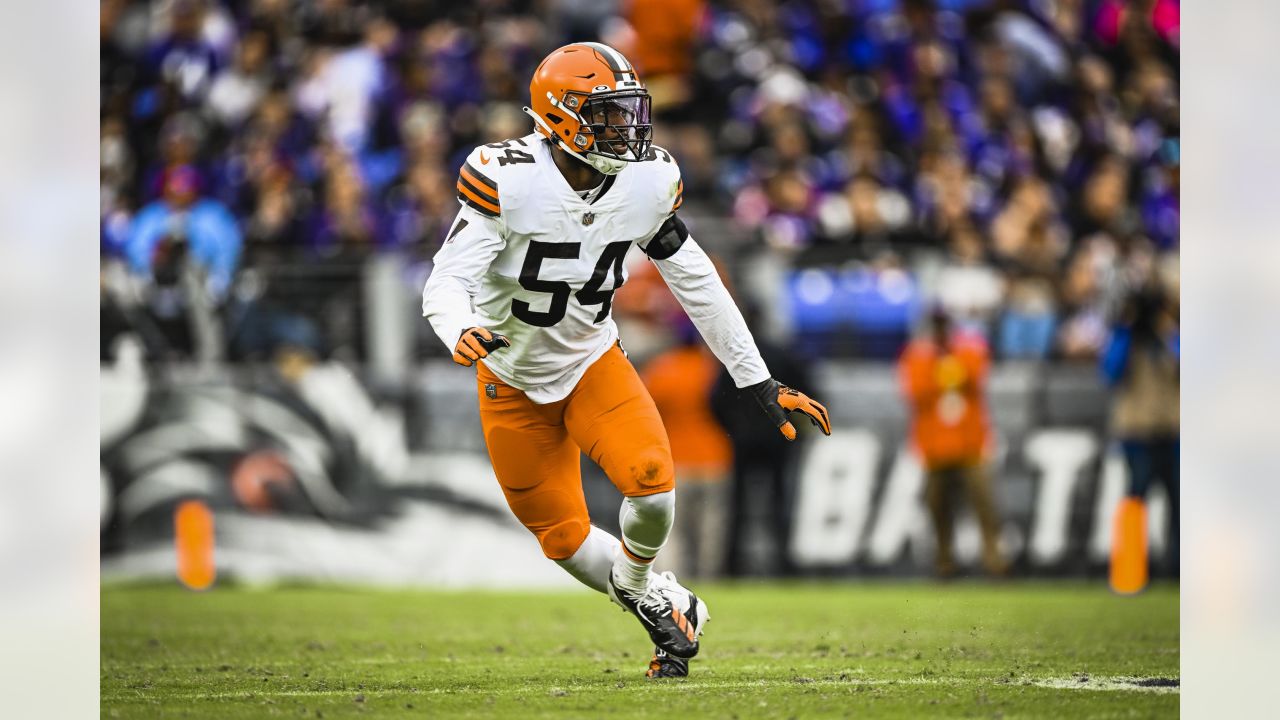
x,y
554,118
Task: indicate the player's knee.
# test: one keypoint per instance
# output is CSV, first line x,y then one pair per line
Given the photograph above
x,y
656,508
651,471
562,540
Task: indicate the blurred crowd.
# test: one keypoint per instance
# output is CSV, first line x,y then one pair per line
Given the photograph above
x,y
1016,159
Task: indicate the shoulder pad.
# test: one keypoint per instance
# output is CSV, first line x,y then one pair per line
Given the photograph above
x,y
486,166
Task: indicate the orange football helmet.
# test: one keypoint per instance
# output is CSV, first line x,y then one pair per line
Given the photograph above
x,y
587,98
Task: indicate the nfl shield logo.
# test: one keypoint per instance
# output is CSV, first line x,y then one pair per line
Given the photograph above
x,y
588,218
491,391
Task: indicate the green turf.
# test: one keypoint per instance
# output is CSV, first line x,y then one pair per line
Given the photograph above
x,y
803,650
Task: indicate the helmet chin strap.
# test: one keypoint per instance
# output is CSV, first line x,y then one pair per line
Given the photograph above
x,y
608,166
599,163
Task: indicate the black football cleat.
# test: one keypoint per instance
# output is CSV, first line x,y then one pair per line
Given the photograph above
x,y
664,665
671,614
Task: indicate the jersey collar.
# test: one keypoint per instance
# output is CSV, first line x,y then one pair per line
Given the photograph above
x,y
567,190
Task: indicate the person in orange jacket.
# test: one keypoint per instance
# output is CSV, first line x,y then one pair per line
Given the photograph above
x,y
943,379
680,381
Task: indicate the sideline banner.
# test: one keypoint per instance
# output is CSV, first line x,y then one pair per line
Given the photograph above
x,y
325,475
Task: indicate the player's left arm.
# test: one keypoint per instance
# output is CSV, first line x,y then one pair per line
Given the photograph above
x,y
475,239
472,244
693,279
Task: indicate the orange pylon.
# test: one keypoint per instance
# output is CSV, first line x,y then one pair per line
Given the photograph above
x,y
193,542
1129,547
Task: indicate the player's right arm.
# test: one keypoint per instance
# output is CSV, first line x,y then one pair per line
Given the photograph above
x,y
474,240
693,279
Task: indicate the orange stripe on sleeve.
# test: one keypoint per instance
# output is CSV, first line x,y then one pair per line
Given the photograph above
x,y
480,202
485,188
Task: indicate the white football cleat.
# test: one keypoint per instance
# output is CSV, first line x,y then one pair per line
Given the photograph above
x,y
671,614
664,664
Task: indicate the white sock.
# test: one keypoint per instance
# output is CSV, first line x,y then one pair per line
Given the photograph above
x,y
646,522
591,564
630,573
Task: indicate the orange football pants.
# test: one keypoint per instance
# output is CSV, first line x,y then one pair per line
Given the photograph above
x,y
535,448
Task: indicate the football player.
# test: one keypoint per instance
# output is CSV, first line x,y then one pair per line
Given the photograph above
x,y
522,288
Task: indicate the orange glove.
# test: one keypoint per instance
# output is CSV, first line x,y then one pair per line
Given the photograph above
x,y
476,343
777,400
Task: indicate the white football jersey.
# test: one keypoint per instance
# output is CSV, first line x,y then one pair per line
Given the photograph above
x,y
529,258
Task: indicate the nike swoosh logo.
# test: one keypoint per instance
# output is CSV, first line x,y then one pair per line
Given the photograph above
x,y
483,160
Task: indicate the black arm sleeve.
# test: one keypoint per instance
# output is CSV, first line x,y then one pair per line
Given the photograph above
x,y
667,240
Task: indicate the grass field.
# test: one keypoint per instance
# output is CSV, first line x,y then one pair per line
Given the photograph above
x,y
1059,650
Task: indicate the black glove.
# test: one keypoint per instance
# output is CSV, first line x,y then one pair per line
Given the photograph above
x,y
777,400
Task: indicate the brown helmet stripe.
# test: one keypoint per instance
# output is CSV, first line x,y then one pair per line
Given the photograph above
x,y
617,63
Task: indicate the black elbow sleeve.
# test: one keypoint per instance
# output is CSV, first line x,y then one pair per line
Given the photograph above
x,y
668,239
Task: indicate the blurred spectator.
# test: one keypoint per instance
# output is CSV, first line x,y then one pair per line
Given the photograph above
x,y
345,224
116,165
783,209
968,286
947,196
1028,323
1103,203
867,216
680,381
1085,298
180,225
238,89
1025,232
944,382
1141,360
187,248
762,463
864,153
1161,204
274,226
665,34
342,81
1028,241
1038,57
418,211
264,324
830,132
184,58
181,139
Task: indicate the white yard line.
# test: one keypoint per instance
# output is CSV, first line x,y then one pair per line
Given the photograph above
x,y
1062,683
1102,683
